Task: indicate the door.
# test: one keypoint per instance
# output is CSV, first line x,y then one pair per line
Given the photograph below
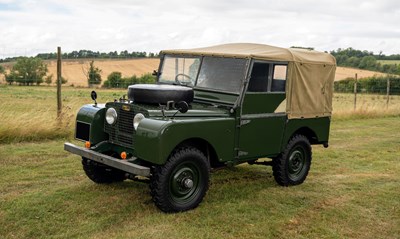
x,y
263,113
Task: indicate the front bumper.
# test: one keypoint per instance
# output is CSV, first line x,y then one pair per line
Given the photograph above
x,y
124,165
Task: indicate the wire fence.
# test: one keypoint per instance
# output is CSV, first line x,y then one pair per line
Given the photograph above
x,y
377,93
372,94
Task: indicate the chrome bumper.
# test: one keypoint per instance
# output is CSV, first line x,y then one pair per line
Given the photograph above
x,y
124,165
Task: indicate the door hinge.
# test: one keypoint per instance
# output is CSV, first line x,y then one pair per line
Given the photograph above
x,y
244,122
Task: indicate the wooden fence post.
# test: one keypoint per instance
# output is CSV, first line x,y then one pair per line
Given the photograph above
x,y
387,92
59,103
355,93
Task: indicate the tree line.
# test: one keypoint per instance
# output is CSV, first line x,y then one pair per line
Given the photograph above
x,y
32,70
365,60
85,54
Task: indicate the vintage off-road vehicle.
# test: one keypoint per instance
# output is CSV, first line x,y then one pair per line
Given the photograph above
x,y
211,107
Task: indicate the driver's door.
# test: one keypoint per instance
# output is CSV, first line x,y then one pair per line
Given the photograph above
x,y
263,114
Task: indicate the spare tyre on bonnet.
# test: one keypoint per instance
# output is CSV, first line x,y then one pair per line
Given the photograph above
x,y
159,94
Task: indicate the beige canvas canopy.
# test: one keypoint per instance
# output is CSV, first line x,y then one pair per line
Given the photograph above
x,y
310,74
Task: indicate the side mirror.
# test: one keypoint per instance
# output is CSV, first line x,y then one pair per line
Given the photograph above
x,y
93,95
182,106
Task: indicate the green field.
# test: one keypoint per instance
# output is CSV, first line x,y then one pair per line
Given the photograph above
x,y
352,190
389,62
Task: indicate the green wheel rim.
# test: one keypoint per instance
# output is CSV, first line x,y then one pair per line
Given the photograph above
x,y
185,183
297,163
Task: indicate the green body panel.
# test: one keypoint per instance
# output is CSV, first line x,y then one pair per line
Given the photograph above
x,y
261,137
93,115
261,129
217,97
319,126
256,103
197,111
156,139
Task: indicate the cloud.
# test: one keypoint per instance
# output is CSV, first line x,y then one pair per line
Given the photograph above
x,y
141,25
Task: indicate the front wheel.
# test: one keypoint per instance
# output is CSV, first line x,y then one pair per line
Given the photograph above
x,y
292,165
182,182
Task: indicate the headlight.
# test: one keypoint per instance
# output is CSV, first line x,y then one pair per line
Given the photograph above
x,y
111,116
138,117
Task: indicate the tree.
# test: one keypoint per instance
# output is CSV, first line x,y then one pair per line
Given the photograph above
x,y
2,70
93,74
27,70
368,62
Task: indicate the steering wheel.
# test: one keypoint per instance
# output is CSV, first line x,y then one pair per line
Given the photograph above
x,y
184,75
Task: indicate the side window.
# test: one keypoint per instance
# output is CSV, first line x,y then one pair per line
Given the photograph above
x,y
279,78
259,77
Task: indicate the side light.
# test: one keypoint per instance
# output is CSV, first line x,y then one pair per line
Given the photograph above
x,y
123,155
87,144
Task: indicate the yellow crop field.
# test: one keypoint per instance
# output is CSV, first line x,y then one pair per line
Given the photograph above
x,y
345,72
74,70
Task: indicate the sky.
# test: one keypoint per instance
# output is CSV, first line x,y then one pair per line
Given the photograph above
x,y
36,26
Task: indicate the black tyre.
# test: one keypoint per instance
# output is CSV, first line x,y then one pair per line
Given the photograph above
x,y
182,182
99,173
159,94
292,165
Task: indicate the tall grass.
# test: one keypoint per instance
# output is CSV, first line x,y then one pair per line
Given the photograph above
x,y
367,106
30,113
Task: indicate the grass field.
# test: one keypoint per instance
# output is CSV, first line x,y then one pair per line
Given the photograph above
x,y
352,192
29,113
389,62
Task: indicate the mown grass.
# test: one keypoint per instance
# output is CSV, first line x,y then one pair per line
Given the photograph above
x,y
352,191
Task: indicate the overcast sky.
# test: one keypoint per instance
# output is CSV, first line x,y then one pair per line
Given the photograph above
x,y
33,26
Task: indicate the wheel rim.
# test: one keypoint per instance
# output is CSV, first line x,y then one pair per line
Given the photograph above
x,y
297,163
185,183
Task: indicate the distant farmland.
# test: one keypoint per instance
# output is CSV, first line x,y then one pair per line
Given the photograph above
x,y
389,62
73,70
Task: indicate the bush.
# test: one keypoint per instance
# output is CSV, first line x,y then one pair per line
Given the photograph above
x,y
375,85
49,79
115,80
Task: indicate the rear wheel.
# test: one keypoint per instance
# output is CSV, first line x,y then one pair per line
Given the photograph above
x,y
292,165
100,173
182,182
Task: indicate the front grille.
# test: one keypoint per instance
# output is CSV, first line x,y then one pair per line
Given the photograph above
x,y
121,133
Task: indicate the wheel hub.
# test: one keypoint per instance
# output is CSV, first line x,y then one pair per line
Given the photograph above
x,y
187,183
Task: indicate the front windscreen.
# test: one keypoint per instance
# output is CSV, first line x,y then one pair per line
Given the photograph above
x,y
214,73
180,70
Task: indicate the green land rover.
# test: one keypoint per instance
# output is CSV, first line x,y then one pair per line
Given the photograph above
x,y
211,107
